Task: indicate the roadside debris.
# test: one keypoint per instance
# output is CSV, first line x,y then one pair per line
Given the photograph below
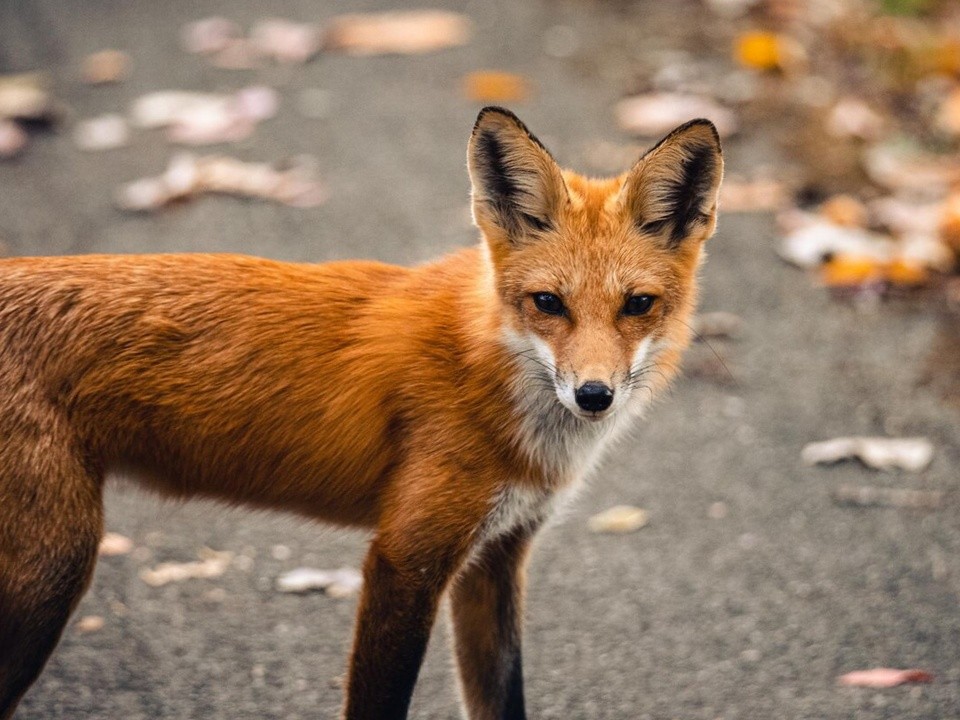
x,y
757,195
115,544
880,453
105,132
211,564
89,624
194,118
884,677
26,96
618,519
341,583
494,86
291,183
105,67
401,32
654,114
717,324
870,496
13,139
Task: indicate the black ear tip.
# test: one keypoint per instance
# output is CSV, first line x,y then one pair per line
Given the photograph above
x,y
703,124
495,110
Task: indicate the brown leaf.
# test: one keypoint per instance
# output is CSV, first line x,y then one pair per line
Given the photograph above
x,y
494,86
884,677
402,32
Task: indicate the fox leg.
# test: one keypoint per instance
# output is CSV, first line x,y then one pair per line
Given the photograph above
x,y
51,521
421,541
486,608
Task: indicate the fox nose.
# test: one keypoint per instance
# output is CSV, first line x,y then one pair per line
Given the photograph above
x,y
594,396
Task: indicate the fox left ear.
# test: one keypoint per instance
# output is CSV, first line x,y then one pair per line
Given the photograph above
x,y
517,186
672,191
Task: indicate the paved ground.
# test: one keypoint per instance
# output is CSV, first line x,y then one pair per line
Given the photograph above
x,y
748,616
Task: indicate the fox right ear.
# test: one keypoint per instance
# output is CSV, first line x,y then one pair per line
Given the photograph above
x,y
517,185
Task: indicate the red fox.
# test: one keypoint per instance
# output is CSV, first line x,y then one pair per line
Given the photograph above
x,y
449,407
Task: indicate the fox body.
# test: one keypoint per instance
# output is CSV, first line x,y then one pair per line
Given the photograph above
x,y
446,406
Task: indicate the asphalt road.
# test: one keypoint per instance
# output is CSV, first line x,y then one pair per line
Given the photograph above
x,y
751,615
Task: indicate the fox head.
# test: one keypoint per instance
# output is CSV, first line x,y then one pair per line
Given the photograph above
x,y
596,278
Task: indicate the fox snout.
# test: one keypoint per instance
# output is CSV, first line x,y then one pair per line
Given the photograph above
x,y
594,396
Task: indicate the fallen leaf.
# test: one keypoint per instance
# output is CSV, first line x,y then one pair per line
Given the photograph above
x,y
89,624
852,117
870,496
845,210
884,677
106,66
758,195
493,86
759,50
899,166
286,41
101,133
115,544
13,139
193,118
26,96
209,35
654,114
212,564
881,453
293,183
949,223
618,519
948,115
335,583
810,244
403,32
717,324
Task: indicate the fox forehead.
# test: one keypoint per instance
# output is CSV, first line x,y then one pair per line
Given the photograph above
x,y
595,249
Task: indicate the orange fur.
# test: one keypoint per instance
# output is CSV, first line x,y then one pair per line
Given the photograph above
x,y
406,400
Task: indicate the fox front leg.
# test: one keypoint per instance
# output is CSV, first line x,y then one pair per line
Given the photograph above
x,y
419,547
486,607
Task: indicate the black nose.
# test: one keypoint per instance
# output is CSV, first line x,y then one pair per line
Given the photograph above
x,y
594,396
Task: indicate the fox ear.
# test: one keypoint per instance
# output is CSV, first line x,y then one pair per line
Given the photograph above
x,y
517,185
672,191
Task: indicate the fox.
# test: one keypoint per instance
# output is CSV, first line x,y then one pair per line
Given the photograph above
x,y
449,407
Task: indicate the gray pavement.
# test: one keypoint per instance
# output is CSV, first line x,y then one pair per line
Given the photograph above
x,y
752,615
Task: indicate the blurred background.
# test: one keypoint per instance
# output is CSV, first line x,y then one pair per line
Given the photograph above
x,y
752,571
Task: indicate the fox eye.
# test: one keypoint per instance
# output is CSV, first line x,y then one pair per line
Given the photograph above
x,y
638,305
548,303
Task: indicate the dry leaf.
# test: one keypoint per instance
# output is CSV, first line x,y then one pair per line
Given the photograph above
x,y
618,519
901,167
403,32
759,50
26,96
845,210
870,496
717,324
203,118
335,583
657,113
115,544
910,454
884,677
286,41
212,564
89,624
493,86
106,66
852,117
759,195
293,184
817,240
209,35
13,139
102,133
948,115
